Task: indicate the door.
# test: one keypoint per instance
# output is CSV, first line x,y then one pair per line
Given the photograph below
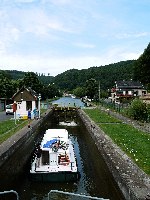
x,y
53,159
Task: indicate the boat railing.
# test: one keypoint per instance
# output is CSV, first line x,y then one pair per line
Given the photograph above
x,y
55,193
10,191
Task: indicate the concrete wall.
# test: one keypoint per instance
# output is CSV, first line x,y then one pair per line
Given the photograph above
x,y
133,182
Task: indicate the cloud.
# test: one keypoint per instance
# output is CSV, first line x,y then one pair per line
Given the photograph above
x,y
60,2
58,64
24,1
56,35
84,45
132,35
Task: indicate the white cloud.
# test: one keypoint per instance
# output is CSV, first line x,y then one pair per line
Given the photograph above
x,y
60,2
24,1
132,35
50,35
59,64
84,45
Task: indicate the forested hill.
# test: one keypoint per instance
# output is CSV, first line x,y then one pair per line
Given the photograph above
x,y
73,78
107,75
15,75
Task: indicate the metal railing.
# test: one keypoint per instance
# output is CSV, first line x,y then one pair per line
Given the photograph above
x,y
10,191
73,195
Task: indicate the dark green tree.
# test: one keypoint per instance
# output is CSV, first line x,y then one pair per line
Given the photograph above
x,y
91,88
79,92
7,87
51,91
142,67
31,80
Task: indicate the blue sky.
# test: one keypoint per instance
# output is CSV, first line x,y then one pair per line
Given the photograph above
x,y
52,36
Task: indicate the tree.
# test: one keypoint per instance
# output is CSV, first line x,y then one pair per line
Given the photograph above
x,y
79,92
142,67
91,88
51,91
7,88
31,80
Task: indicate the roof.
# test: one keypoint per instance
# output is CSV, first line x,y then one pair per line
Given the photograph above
x,y
129,84
32,92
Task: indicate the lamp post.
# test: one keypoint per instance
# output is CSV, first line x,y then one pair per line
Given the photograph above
x,y
39,107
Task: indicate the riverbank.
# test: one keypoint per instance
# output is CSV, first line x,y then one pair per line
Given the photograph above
x,y
132,181
8,147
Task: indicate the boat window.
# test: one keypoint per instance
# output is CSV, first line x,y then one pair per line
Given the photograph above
x,y
45,158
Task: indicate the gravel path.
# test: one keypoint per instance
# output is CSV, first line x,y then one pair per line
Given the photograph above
x,y
139,125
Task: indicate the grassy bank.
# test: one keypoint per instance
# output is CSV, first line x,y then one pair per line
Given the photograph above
x,y
8,128
135,143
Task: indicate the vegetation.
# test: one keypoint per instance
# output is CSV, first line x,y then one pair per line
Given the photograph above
x,y
135,143
8,86
8,128
142,67
100,117
138,110
69,80
107,75
78,81
91,88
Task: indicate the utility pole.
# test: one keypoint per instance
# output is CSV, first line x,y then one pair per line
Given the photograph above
x,y
99,92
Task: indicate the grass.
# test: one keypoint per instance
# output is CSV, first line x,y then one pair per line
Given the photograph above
x,y
101,117
135,143
8,128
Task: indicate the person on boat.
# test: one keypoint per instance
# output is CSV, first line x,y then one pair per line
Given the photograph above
x,y
58,141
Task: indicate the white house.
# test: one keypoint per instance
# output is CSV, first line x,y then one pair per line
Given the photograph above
x,y
127,90
26,99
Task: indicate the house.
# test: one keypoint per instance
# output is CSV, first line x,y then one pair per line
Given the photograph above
x,y
26,99
125,91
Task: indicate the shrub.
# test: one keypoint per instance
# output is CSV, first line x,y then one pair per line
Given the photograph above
x,y
138,110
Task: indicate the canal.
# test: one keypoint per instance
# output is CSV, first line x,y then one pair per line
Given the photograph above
x,y
95,179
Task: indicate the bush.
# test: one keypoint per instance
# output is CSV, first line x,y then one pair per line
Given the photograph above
x,y
138,110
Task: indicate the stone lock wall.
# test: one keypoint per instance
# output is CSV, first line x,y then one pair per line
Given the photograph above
x,y
132,181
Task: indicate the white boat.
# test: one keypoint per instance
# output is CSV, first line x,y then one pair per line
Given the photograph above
x,y
55,159
73,96
68,123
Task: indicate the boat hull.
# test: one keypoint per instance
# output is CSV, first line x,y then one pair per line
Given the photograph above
x,y
55,176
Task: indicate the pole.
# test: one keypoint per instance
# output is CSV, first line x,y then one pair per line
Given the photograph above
x,y
99,92
15,117
39,105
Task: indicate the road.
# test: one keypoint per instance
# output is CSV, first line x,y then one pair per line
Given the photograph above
x,y
3,116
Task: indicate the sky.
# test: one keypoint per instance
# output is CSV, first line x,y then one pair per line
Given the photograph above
x,y
53,36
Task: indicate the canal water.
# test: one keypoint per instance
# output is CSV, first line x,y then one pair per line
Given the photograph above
x,y
68,101
95,179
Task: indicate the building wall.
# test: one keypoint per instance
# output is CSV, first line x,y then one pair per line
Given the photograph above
x,y
22,111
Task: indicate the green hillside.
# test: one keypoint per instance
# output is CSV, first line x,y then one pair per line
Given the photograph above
x,y
73,78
